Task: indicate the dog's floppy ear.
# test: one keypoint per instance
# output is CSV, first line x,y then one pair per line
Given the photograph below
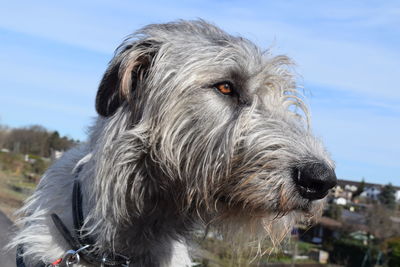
x,y
125,72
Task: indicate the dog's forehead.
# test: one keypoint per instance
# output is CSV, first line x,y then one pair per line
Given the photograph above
x,y
203,54
198,40
182,31
221,50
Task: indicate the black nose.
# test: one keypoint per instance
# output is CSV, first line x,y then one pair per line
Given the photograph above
x,y
314,180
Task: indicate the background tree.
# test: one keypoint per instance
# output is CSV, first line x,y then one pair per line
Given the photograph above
x,y
334,211
393,252
29,140
380,222
34,140
387,197
4,132
360,189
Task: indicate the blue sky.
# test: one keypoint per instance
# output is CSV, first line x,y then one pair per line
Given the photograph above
x,y
53,54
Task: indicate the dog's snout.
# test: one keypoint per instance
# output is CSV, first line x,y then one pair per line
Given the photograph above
x,y
314,180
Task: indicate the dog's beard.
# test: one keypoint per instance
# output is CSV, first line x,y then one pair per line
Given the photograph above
x,y
247,222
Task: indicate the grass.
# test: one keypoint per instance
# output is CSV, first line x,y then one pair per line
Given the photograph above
x,y
215,252
14,189
18,177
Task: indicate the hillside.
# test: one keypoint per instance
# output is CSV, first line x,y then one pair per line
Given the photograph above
x,y
19,175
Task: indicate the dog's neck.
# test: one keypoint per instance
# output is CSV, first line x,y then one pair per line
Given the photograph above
x,y
155,234
158,237
153,240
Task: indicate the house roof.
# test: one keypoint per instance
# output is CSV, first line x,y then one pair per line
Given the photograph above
x,y
343,183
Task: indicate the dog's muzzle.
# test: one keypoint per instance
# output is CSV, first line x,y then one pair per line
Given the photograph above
x,y
313,181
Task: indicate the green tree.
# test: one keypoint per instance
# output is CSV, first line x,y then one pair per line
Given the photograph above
x,y
334,211
388,196
360,189
34,140
393,252
54,141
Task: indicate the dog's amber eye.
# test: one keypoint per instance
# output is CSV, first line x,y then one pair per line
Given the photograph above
x,y
224,88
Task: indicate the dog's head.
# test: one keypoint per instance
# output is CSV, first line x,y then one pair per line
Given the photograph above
x,y
210,125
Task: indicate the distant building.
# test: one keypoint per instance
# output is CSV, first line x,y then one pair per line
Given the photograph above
x,y
346,188
55,154
398,195
340,192
350,188
372,192
340,201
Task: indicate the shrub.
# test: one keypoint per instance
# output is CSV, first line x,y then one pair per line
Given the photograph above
x,y
353,253
393,252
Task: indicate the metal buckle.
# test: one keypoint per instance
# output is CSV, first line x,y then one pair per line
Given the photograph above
x,y
72,257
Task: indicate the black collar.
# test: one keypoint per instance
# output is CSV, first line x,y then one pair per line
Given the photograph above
x,y
78,240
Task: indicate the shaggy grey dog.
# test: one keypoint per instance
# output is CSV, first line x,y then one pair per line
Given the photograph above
x,y
196,128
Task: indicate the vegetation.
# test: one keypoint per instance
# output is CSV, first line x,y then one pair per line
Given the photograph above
x,y
380,223
360,189
393,252
35,140
215,252
387,196
353,253
24,157
334,211
18,179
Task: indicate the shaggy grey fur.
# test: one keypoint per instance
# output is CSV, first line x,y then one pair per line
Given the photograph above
x,y
170,153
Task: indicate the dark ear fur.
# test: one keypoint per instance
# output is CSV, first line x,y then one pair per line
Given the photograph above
x,y
108,98
125,71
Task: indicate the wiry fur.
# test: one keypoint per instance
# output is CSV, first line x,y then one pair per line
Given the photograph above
x,y
169,153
